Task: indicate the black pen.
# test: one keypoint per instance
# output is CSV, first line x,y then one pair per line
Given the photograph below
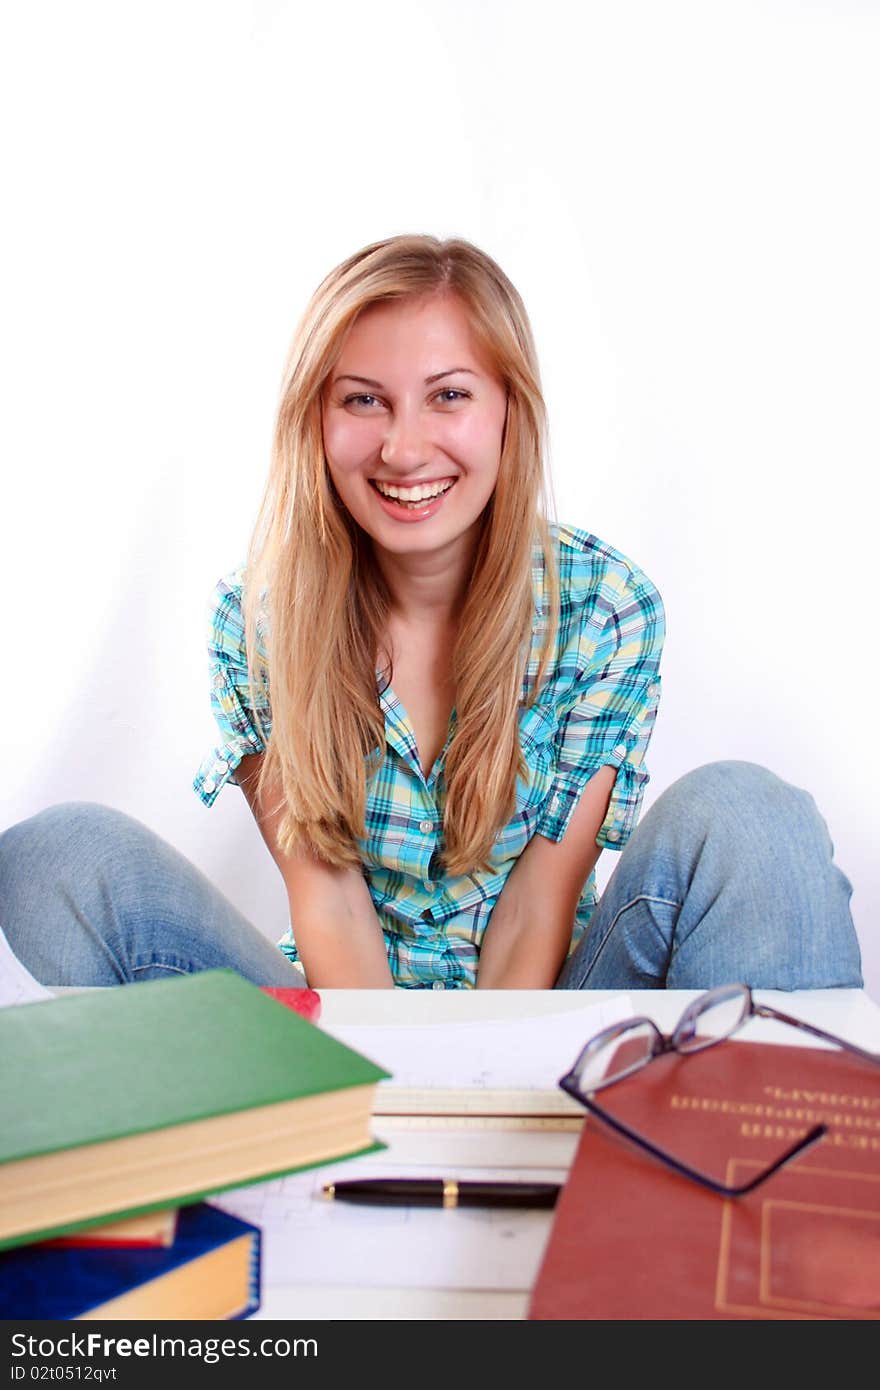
x,y
442,1192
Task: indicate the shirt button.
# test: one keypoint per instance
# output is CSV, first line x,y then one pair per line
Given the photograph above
x,y
219,682
613,835
220,766
208,785
426,826
438,984
429,885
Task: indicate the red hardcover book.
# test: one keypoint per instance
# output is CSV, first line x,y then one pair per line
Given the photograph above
x,y
632,1239
306,1002
152,1228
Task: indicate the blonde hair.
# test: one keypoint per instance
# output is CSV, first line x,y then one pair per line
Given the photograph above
x,y
312,578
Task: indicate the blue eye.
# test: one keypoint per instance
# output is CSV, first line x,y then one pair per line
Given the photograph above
x,y
359,400
450,394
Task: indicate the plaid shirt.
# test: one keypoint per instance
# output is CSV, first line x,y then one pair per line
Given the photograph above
x,y
597,707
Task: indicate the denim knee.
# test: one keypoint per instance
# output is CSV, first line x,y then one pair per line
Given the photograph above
x,y
744,798
65,850
756,859
58,837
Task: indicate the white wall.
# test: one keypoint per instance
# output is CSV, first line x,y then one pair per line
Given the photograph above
x,y
687,197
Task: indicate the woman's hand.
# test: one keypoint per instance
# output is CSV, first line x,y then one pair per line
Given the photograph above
x,y
337,932
529,933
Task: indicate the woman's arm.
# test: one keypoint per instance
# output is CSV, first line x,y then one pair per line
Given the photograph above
x,y
338,935
529,933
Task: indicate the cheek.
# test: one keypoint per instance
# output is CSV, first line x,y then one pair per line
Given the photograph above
x,y
478,441
347,442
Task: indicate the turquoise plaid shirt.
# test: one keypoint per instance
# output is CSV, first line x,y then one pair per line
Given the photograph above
x,y
597,708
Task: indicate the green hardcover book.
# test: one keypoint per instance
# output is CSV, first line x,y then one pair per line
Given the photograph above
x,y
128,1099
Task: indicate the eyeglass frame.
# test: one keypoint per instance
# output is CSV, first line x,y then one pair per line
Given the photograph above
x,y
663,1043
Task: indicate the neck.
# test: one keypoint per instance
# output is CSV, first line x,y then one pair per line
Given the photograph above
x,y
430,589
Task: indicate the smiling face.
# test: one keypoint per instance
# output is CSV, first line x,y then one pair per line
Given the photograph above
x,y
413,420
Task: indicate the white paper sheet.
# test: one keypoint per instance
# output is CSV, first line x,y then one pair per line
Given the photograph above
x,y
309,1240
17,985
516,1056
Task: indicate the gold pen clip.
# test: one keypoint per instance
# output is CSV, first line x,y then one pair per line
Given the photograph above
x,y
450,1193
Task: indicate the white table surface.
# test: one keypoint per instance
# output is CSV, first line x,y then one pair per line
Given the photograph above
x,y
847,1012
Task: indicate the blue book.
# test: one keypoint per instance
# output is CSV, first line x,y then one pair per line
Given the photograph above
x,y
211,1271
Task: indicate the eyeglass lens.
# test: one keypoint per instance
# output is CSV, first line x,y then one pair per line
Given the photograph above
x,y
617,1055
715,1015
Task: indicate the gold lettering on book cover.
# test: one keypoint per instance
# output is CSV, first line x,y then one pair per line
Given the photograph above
x,y
759,1110
823,1098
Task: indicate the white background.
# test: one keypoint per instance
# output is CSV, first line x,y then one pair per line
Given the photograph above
x,y
686,196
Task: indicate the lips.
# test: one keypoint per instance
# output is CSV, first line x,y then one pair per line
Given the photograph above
x,y
415,508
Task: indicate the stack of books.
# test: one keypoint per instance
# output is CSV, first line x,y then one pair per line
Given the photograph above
x,y
123,1109
210,1268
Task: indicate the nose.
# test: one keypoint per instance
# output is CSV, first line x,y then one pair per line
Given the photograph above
x,y
405,445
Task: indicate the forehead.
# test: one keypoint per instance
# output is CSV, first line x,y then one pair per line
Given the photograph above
x,y
412,336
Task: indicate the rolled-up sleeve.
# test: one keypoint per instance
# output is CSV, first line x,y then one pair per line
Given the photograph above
x,y
241,730
607,716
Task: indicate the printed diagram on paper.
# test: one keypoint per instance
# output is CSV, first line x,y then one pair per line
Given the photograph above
x,y
310,1240
489,1067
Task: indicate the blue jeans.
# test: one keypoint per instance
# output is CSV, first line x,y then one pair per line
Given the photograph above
x,y
729,877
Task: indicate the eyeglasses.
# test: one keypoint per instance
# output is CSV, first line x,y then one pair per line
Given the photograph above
x,y
624,1048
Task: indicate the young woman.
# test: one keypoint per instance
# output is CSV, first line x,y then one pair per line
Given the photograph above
x,y
437,705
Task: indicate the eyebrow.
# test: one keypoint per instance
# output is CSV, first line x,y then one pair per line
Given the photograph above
x,y
429,380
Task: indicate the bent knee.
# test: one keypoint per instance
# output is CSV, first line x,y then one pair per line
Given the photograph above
x,y
748,789
69,832
745,806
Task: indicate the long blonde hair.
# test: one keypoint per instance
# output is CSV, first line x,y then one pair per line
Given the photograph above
x,y
313,581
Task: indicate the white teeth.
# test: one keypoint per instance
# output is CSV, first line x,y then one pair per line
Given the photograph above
x,y
413,494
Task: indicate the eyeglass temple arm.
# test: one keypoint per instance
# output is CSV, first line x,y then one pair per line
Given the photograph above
x,y
723,1189
765,1011
811,1136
